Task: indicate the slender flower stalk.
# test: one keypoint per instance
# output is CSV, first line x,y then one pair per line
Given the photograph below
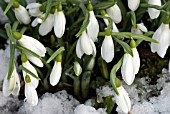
x,y
56,71
107,49
27,65
30,43
30,92
11,86
21,13
154,13
85,45
133,4
115,13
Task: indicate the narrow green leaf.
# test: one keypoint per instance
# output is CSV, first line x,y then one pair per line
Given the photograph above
x,y
61,49
104,5
70,51
49,51
12,50
113,75
9,6
125,46
3,34
29,72
48,9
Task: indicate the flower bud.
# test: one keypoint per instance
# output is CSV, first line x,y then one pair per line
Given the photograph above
x,y
77,68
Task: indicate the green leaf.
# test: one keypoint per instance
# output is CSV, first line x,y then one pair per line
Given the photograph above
x,y
12,50
9,6
125,46
61,49
49,51
86,20
113,75
29,72
48,9
104,5
70,51
133,19
3,34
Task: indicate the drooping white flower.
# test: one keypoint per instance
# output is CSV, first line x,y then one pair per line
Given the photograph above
x,y
33,9
123,100
59,23
93,27
136,60
55,73
36,61
127,69
133,4
11,86
22,15
107,49
30,43
162,35
27,65
140,29
115,29
85,45
154,13
31,94
115,13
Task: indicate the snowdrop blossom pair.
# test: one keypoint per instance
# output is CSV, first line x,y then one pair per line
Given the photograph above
x,y
162,35
85,45
140,29
154,13
133,4
33,45
115,13
11,86
21,13
56,71
130,65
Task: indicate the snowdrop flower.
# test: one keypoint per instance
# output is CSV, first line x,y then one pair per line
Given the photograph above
x,y
140,29
30,43
162,35
59,22
21,13
127,69
30,92
85,45
135,58
27,65
133,4
154,13
56,71
107,49
123,100
115,13
11,86
36,61
77,68
34,9
45,26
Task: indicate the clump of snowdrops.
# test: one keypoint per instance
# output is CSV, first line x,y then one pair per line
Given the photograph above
x,y
68,43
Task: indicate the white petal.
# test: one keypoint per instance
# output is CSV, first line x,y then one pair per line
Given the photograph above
x,y
85,44
17,86
115,13
107,49
142,27
31,94
47,26
156,36
5,88
93,27
79,51
34,81
33,5
59,24
33,44
136,60
163,41
127,69
34,9
154,13
55,73
22,15
34,22
133,4
93,46
34,60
